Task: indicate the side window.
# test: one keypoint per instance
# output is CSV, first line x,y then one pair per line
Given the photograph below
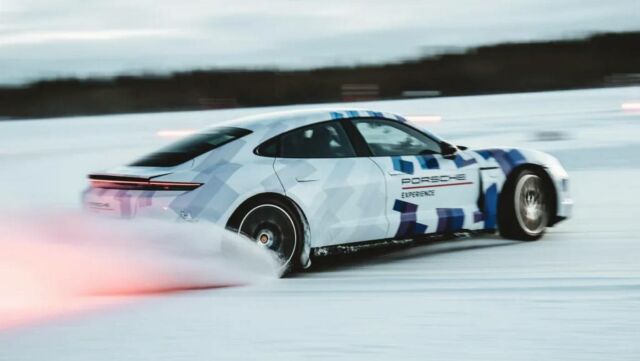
x,y
389,138
268,148
324,140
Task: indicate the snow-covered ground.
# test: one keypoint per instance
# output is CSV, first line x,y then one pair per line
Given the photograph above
x,y
574,295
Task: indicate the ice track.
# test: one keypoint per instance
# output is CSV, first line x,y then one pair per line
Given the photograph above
x,y
575,295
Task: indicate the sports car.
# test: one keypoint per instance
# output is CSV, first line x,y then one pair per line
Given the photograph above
x,y
304,182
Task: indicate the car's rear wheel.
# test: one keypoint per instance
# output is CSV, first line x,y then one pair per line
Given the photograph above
x,y
524,209
273,225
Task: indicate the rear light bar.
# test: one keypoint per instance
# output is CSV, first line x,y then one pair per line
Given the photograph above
x,y
130,183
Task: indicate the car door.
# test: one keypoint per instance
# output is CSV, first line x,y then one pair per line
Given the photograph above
x,y
342,195
427,192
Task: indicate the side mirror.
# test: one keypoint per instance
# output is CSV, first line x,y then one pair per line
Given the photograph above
x,y
449,150
462,147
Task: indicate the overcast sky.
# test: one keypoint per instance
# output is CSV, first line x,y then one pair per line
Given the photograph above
x,y
48,38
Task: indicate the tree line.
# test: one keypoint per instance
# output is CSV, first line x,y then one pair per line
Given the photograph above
x,y
599,60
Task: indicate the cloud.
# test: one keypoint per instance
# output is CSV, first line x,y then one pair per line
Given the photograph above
x,y
43,38
32,38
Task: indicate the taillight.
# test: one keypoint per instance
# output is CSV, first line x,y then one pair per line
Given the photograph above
x,y
131,183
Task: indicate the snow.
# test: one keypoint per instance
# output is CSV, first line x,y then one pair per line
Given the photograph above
x,y
575,295
49,268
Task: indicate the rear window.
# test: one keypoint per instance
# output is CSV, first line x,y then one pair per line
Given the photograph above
x,y
191,147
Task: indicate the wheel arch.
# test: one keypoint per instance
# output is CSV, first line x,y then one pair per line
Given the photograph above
x,y
235,217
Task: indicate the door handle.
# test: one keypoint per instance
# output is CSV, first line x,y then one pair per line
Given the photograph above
x,y
306,180
394,173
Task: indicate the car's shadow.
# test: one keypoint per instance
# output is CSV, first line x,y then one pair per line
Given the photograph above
x,y
397,253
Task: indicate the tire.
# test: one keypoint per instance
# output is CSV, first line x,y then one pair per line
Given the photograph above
x,y
275,225
524,211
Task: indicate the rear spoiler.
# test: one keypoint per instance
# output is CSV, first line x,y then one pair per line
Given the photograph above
x,y
113,181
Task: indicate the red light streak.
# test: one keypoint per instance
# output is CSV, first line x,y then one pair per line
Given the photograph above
x,y
631,106
425,118
178,133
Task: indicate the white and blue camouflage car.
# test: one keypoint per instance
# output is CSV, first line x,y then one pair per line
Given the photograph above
x,y
304,182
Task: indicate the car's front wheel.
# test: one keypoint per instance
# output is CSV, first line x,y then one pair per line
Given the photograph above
x,y
276,226
524,209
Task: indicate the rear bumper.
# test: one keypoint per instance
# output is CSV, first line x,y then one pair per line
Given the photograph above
x,y
128,204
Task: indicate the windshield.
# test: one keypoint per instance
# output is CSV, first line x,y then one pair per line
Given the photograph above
x,y
191,147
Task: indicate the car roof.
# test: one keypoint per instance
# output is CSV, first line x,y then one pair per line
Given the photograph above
x,y
286,120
